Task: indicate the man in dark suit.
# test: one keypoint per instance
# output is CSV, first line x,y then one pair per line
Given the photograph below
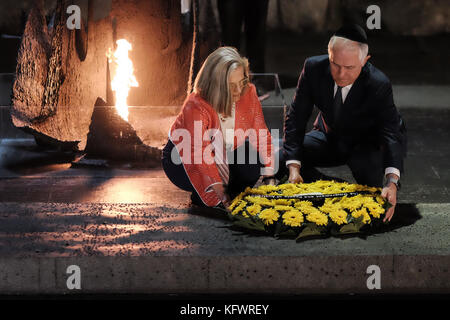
x,y
358,124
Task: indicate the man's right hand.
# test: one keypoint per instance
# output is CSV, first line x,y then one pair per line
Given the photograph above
x,y
294,173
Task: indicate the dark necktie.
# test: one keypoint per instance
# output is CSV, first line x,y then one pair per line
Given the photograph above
x,y
337,106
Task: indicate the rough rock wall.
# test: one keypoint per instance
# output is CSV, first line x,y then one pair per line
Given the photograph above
x,y
31,73
160,56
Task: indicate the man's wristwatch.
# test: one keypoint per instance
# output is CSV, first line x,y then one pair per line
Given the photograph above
x,y
394,181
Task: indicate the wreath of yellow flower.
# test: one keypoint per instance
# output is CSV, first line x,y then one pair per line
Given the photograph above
x,y
294,211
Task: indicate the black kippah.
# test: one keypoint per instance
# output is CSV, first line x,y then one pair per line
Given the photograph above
x,y
352,32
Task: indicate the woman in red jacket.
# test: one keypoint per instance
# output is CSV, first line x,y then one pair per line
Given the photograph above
x,y
215,141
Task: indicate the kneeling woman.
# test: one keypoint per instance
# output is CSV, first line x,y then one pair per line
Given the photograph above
x,y
220,128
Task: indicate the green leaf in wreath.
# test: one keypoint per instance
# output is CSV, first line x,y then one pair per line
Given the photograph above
x,y
288,233
359,222
310,231
247,223
349,228
387,205
278,227
283,230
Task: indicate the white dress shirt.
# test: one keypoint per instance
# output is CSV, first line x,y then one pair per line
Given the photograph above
x,y
345,90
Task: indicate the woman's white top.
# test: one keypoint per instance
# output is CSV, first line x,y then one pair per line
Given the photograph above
x,y
227,125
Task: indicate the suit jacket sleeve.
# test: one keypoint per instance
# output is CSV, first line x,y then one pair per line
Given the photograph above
x,y
297,116
389,128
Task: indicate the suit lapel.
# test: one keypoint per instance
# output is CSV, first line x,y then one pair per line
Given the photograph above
x,y
356,92
327,86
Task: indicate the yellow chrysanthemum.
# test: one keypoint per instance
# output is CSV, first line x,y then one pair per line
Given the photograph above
x,y
380,199
318,218
338,216
260,200
374,208
253,210
309,210
352,203
257,191
268,188
235,201
241,206
282,208
363,212
287,186
303,204
293,218
283,202
334,211
269,216
248,190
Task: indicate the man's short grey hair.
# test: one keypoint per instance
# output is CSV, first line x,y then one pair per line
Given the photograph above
x,y
347,43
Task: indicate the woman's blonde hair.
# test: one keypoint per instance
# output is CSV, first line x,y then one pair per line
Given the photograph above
x,y
212,79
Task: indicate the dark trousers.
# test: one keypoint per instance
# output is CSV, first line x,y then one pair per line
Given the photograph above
x,y
320,150
251,13
242,175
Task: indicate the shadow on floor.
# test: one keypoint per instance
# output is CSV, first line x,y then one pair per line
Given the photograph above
x,y
214,213
406,214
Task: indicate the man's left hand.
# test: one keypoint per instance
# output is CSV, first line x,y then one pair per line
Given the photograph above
x,y
390,194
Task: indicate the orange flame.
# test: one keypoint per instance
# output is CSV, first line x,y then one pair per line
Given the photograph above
x,y
123,78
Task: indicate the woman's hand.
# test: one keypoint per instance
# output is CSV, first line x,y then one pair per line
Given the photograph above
x,y
219,189
269,181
